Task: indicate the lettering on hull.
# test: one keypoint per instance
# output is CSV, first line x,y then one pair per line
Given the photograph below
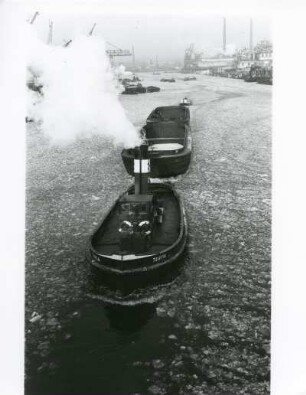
x,y
160,258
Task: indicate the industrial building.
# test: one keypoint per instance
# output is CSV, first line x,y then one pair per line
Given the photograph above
x,y
237,64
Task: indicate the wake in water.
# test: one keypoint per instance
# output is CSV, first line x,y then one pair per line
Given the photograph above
x,y
149,296
127,292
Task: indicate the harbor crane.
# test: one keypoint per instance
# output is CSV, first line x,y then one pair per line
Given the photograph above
x,y
33,18
89,34
92,29
192,59
110,52
117,52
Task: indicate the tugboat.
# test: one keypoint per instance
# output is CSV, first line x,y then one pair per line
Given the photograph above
x,y
185,102
144,231
169,148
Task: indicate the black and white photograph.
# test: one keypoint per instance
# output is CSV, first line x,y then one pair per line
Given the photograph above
x,y
148,141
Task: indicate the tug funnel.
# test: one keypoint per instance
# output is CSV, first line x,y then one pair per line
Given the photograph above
x,y
141,170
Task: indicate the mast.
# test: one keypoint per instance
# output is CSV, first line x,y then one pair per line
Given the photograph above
x,y
224,35
50,36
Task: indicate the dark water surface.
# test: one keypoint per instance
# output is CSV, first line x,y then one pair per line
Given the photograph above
x,y
106,349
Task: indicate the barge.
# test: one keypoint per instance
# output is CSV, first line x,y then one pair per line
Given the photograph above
x,y
170,113
169,149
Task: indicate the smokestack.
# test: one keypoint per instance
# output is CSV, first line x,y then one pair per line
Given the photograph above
x,y
141,170
224,35
133,57
251,34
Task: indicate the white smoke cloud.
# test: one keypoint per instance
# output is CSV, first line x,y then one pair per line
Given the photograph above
x,y
230,49
121,72
79,93
212,51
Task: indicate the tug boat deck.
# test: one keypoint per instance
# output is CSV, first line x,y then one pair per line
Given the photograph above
x,y
106,240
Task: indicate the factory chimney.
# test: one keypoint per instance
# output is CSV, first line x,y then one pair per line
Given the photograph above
x,y
251,34
224,35
133,54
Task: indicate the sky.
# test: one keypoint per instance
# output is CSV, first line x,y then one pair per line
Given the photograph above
x,y
164,35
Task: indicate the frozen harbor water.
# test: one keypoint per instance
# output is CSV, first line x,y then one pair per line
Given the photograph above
x,y
206,332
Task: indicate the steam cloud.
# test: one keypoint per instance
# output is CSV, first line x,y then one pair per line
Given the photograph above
x,y
79,92
120,72
212,51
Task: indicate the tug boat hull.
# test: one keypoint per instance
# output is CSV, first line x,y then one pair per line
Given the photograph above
x,y
168,241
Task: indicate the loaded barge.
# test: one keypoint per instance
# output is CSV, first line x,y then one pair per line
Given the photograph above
x,y
170,113
167,133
